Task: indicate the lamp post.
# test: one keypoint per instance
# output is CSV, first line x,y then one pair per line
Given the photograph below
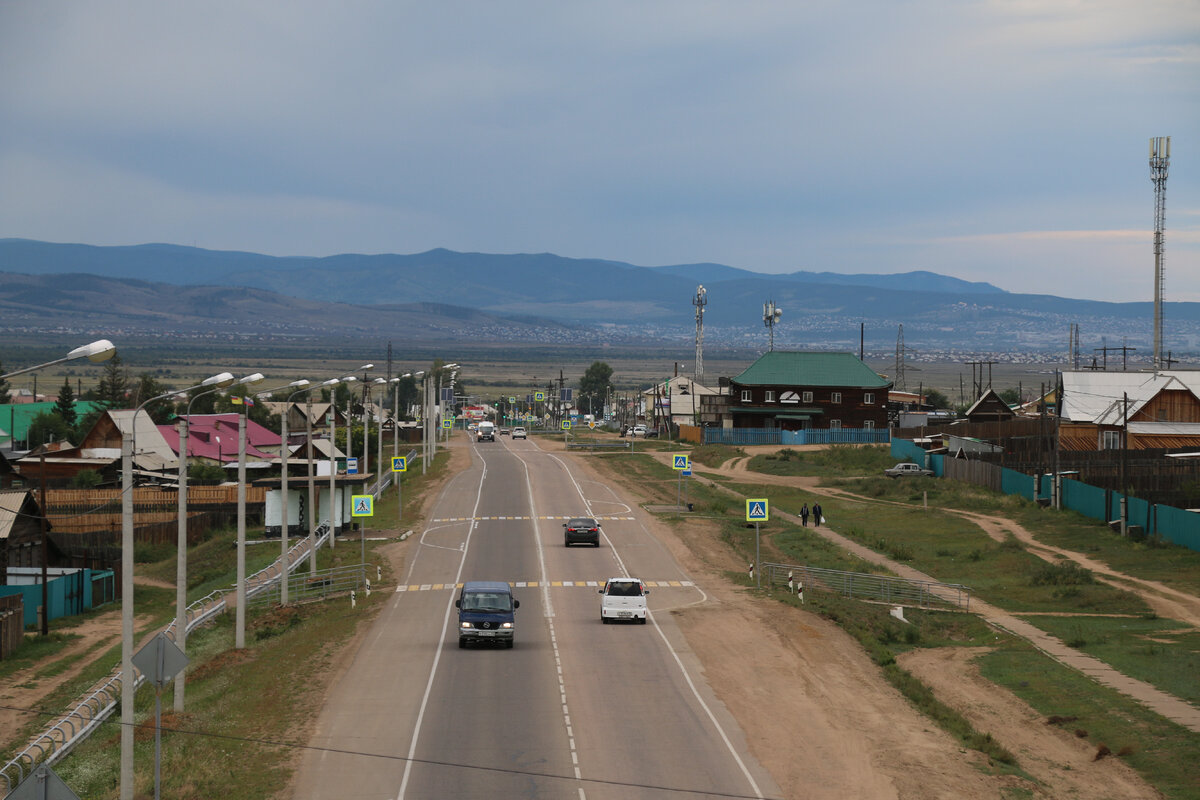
x,y
182,540
284,451
284,476
127,440
97,351
366,428
239,636
333,505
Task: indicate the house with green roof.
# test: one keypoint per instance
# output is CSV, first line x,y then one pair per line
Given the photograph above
x,y
15,419
809,390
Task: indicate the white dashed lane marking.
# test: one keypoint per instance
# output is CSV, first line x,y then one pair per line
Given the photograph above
x,y
433,587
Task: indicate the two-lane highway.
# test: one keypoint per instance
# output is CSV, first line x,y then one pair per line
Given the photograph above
x,y
576,709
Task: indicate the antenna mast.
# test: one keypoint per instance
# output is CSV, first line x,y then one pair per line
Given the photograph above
x,y
1160,159
900,360
771,316
700,301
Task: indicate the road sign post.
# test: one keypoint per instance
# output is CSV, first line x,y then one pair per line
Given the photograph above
x,y
399,465
159,661
679,463
757,510
362,505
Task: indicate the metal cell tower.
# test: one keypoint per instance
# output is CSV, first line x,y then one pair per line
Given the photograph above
x,y
1160,159
771,316
700,301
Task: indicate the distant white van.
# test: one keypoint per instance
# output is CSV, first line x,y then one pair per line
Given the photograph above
x,y
485,432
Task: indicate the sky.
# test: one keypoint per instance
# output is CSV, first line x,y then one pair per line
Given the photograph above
x,y
992,140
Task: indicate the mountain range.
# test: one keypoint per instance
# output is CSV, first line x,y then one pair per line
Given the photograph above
x,y
540,298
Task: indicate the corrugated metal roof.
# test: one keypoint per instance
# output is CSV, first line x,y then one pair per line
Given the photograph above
x,y
1099,397
790,368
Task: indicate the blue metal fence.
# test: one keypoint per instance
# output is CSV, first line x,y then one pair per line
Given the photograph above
x,y
840,436
739,436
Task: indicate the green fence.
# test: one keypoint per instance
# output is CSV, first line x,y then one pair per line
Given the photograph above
x,y
1175,525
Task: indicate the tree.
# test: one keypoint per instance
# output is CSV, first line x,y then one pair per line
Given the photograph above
x,y
85,424
65,406
4,398
113,390
1010,396
47,427
595,383
936,399
160,410
86,479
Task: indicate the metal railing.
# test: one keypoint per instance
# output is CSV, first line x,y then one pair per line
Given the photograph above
x,y
78,723
876,588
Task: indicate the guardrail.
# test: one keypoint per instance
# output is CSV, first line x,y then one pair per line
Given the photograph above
x,y
78,723
384,479
877,588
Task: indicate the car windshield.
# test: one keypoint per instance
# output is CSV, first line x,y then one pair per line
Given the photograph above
x,y
486,601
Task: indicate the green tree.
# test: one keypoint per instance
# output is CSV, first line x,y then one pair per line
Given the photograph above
x,y
47,427
86,479
85,424
936,399
1010,396
65,406
113,390
409,395
595,384
160,410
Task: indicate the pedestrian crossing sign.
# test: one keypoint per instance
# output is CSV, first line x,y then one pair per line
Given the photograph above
x,y
400,464
679,461
512,400
362,505
539,397
566,424
757,511
447,424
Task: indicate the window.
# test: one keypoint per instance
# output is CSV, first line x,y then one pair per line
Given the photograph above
x,y
835,424
835,397
770,398
868,425
869,398
807,397
745,395
1110,440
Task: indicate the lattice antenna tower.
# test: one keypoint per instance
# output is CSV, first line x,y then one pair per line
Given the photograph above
x,y
700,301
1160,159
771,316
900,360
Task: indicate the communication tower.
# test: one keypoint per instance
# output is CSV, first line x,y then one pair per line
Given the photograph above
x,y
1160,159
771,316
899,381
700,301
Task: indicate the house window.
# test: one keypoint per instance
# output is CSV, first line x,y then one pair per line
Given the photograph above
x,y
807,397
770,398
835,424
1110,440
868,424
745,395
835,397
869,398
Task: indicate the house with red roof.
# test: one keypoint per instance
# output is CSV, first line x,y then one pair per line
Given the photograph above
x,y
213,439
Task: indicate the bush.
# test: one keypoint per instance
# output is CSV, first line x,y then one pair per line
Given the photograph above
x,y
86,479
1064,573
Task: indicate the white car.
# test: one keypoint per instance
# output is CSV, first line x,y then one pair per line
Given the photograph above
x,y
638,430
519,433
624,598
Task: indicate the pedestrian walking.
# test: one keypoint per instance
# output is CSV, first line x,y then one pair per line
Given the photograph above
x,y
804,515
816,512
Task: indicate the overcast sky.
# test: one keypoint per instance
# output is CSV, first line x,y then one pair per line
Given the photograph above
x,y
993,141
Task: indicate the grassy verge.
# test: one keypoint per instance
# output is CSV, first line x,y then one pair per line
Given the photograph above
x,y
838,460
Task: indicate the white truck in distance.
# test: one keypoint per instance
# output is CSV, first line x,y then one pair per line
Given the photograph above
x,y
485,432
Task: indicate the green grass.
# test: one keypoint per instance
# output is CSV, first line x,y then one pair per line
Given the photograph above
x,y
1163,753
1161,652
836,461
714,455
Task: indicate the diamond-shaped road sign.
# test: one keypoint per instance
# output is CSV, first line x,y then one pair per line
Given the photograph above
x,y
160,660
757,510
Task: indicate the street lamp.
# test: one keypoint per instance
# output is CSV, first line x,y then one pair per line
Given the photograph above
x,y
333,507
127,722
100,350
240,615
182,541
367,425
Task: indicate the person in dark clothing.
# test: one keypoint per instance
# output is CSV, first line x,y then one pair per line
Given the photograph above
x,y
816,512
804,515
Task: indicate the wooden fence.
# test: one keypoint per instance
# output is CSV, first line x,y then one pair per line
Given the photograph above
x,y
12,624
155,510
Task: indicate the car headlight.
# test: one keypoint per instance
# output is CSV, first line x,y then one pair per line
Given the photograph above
x,y
505,624
464,624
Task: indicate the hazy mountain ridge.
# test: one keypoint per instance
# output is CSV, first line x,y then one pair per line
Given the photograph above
x,y
546,297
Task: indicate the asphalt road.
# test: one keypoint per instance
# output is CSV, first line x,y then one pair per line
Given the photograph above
x,y
577,709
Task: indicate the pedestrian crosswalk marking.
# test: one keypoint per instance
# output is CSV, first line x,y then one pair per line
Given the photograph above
x,y
481,519
432,587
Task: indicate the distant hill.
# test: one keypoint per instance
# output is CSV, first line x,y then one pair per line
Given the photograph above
x,y
546,297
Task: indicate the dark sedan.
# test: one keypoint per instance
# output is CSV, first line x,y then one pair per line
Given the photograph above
x,y
581,530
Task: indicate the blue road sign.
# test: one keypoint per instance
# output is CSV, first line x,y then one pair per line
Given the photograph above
x,y
687,473
757,510
400,464
351,466
362,505
679,461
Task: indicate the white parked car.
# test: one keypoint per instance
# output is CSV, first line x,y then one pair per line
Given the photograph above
x,y
624,598
519,433
638,430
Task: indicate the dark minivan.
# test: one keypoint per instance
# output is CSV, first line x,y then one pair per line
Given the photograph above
x,y
485,613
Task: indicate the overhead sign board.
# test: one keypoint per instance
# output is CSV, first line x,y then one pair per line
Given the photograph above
x,y
362,505
757,510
